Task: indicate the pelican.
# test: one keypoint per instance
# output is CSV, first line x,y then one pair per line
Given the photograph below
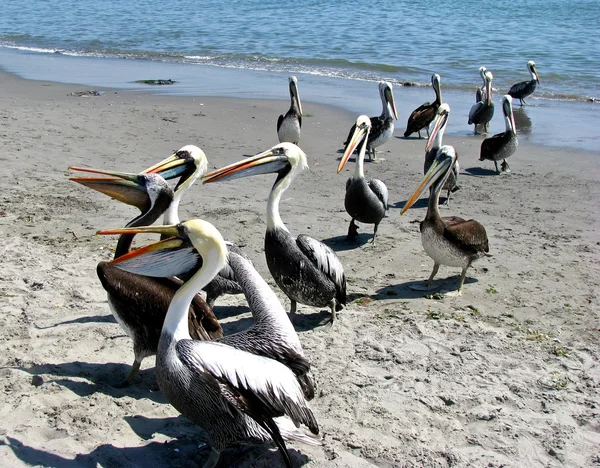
x,y
382,127
502,145
235,396
306,270
188,163
196,163
451,240
482,112
435,143
366,199
480,91
138,303
288,126
423,115
525,88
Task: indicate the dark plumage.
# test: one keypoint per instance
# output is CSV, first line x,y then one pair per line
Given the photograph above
x,y
502,145
423,115
525,88
289,126
482,112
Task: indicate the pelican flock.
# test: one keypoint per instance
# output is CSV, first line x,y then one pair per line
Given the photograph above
x,y
254,386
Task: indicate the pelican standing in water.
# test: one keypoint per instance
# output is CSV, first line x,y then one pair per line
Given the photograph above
x,y
525,88
138,303
382,127
451,240
435,143
502,145
366,200
482,112
236,397
423,115
288,126
480,91
305,269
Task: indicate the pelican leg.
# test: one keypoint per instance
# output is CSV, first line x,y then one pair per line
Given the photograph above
x,y
458,292
135,367
372,157
374,234
333,312
447,201
293,306
505,167
352,231
496,164
213,459
428,286
419,132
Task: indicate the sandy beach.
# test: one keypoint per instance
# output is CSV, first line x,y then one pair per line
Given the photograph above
x,y
507,375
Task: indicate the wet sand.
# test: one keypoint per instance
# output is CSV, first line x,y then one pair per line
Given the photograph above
x,y
505,375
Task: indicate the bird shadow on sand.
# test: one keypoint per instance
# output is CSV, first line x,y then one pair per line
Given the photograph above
x,y
304,320
99,378
479,171
224,312
408,289
86,319
411,137
340,244
420,203
229,328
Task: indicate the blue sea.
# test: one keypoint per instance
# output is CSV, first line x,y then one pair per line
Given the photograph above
x,y
338,48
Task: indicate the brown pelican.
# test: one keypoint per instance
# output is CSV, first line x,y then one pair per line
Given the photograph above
x,y
435,143
480,91
482,112
423,115
525,88
138,303
288,126
304,268
236,397
382,127
366,199
451,240
502,145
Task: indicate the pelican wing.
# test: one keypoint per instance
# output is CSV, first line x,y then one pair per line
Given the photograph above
x,y
350,133
258,386
325,260
517,89
490,144
475,110
380,190
279,122
468,235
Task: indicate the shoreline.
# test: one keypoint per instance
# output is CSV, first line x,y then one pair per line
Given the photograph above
x,y
562,124
508,374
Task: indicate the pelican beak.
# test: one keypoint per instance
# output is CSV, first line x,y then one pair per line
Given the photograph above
x,y
440,121
360,132
170,257
123,186
294,91
267,162
389,97
537,77
169,168
430,177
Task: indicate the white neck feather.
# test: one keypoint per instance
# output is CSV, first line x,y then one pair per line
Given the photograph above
x,y
273,218
176,321
172,214
359,170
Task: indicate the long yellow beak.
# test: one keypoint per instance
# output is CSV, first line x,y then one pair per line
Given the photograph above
x,y
359,132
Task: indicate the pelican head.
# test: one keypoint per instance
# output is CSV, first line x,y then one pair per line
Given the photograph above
x,y
361,133
188,163
185,249
508,114
533,71
387,97
283,159
293,81
439,170
139,190
438,125
482,71
488,76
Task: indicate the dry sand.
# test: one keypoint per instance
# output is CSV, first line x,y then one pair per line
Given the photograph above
x,y
506,375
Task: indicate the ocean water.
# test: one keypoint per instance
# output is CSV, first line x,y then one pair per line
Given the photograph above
x,y
338,50
398,40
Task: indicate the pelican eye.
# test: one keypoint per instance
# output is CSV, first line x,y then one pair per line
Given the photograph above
x,y
183,154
